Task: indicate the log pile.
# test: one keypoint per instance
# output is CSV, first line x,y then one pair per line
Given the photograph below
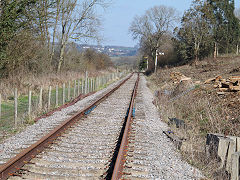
x,y
177,77
231,84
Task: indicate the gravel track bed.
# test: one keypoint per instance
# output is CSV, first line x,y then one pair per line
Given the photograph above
x,y
151,154
13,145
85,150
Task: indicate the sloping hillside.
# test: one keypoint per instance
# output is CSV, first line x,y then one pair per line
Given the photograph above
x,y
204,106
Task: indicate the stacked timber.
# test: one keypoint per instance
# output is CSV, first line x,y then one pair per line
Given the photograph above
x,y
231,84
177,77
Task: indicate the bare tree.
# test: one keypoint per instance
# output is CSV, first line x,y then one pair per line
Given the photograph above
x,y
152,26
56,20
237,13
0,7
79,21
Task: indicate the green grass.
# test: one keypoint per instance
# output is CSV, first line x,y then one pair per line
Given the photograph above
x,y
7,124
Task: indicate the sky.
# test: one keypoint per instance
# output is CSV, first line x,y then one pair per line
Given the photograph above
x,y
119,15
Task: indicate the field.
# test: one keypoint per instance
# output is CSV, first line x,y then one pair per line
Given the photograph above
x,y
125,62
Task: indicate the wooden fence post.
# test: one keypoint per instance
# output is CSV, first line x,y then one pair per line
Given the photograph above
x,y
57,96
91,85
40,98
100,81
88,85
82,86
63,93
86,82
78,87
49,97
69,90
74,90
0,106
29,102
104,80
94,84
15,107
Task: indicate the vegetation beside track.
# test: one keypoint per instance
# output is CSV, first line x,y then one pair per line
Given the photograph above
x,y
199,106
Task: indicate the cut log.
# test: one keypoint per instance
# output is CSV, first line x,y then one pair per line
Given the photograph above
x,y
221,93
218,84
235,80
226,84
235,77
234,88
209,80
185,79
223,89
176,140
223,80
218,78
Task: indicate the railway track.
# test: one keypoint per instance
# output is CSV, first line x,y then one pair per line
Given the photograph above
x,y
116,137
86,147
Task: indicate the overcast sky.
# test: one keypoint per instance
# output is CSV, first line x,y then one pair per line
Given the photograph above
x,y
118,17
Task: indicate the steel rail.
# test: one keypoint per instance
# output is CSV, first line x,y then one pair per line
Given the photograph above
x,y
13,165
122,153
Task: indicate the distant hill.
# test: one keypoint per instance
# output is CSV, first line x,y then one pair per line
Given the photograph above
x,y
112,51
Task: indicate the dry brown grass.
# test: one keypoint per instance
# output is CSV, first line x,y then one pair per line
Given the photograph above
x,y
25,81
201,108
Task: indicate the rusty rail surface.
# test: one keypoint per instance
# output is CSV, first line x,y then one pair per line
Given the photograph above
x,y
13,165
122,153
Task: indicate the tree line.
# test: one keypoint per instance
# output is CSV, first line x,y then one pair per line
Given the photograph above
x,y
208,28
36,35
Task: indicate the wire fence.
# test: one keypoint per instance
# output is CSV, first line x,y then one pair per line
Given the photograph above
x,y
22,109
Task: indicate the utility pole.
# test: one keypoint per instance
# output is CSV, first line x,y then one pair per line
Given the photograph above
x,y
156,61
